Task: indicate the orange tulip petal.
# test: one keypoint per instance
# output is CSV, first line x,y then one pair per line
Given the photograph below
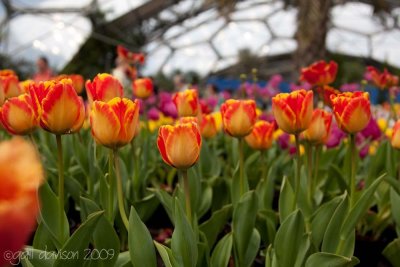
x,y
61,109
102,119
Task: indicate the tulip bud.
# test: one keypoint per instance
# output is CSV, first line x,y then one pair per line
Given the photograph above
x,y
238,117
186,103
114,123
103,88
352,111
142,88
395,138
21,174
261,136
382,79
318,131
18,115
293,112
179,145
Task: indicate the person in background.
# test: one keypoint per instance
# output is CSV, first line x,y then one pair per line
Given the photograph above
x,y
44,71
122,73
179,83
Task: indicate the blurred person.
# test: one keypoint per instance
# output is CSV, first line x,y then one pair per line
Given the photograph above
x,y
179,83
44,71
122,73
213,97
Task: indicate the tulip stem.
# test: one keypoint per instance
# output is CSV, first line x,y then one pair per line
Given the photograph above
x,y
397,163
187,195
316,167
353,159
391,101
120,190
60,185
110,209
298,165
135,176
310,176
241,166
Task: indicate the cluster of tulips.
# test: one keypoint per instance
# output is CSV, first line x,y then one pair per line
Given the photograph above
x,y
231,215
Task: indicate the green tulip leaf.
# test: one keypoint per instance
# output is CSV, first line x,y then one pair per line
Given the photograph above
x,y
141,245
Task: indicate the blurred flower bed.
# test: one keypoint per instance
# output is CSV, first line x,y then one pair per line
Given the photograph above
x,y
254,177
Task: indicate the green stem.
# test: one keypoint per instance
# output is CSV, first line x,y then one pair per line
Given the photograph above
x,y
120,192
60,185
391,101
241,167
32,139
298,165
397,152
316,167
264,166
110,209
309,167
135,175
186,189
353,151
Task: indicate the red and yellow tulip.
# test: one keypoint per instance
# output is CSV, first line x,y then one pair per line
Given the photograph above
x,y
319,73
19,116
10,83
60,109
186,102
293,111
318,131
261,136
179,145
352,111
114,123
208,126
395,138
142,88
382,79
326,91
25,85
238,117
21,174
77,81
104,87
130,56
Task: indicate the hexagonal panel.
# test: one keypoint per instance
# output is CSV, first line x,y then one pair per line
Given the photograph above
x,y
156,60
284,22
199,58
348,43
241,35
356,17
256,11
385,47
201,33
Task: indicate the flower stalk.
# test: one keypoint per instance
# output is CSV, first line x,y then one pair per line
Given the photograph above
x,y
186,189
353,158
298,165
60,184
120,192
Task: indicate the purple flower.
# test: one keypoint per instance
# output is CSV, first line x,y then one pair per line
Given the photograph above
x,y
350,87
304,85
335,136
275,81
153,114
372,131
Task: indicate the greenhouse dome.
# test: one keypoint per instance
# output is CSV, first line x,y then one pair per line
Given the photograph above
x,y
195,31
